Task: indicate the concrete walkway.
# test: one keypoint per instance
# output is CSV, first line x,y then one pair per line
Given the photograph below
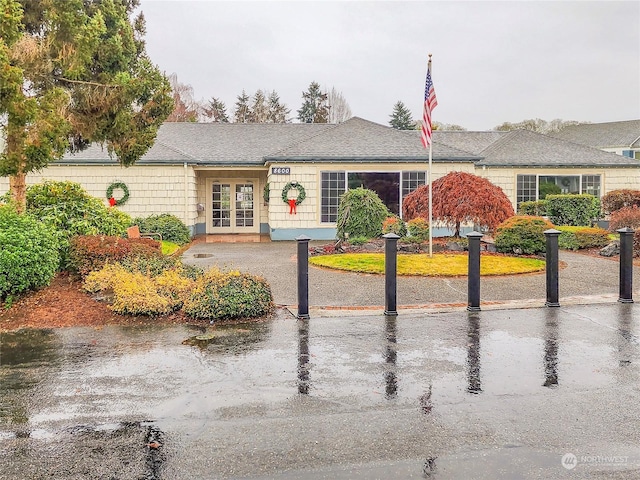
x,y
583,280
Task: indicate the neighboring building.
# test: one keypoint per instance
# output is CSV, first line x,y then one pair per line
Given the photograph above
x,y
622,138
214,176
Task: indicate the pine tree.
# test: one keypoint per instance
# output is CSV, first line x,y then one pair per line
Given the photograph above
x,y
74,72
277,112
242,111
314,106
401,117
216,110
259,110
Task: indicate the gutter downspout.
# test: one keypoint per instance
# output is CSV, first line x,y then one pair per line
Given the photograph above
x,y
186,196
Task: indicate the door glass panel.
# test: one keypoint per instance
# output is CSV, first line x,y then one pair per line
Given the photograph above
x,y
221,202
244,205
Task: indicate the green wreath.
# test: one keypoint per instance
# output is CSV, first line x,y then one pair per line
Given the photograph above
x,y
301,193
125,192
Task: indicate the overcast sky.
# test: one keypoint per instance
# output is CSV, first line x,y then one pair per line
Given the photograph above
x,y
492,61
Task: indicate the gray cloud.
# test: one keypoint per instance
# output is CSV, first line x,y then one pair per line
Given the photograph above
x,y
492,61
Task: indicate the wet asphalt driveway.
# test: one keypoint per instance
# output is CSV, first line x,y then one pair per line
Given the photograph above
x,y
499,394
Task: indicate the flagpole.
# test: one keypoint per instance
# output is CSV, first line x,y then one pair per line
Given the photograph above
x,y
430,186
430,201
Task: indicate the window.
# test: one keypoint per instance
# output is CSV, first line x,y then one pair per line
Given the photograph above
x,y
527,189
591,185
333,185
534,187
411,181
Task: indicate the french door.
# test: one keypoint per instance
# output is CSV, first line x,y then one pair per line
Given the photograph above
x,y
232,208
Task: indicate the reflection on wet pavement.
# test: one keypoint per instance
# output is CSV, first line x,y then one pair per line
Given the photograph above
x,y
356,388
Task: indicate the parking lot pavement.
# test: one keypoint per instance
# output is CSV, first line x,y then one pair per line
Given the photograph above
x,y
582,280
498,394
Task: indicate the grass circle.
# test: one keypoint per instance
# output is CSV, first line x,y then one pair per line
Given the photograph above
x,y
440,265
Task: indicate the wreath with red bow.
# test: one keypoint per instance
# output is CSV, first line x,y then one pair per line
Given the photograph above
x,y
293,202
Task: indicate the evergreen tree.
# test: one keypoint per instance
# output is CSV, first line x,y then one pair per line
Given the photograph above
x,y
277,111
259,110
216,110
401,117
71,73
243,111
315,108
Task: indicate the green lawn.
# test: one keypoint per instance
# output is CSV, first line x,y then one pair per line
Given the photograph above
x,y
440,265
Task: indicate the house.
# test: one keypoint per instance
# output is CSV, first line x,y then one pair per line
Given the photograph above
x,y
622,138
230,178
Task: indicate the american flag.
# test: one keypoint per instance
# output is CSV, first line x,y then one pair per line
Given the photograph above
x,y
430,102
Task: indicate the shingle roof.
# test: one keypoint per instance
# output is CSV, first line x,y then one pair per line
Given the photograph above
x,y
97,155
603,135
356,140
361,140
525,148
473,142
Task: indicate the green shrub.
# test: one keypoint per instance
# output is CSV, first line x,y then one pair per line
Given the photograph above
x,y
418,229
574,238
395,225
548,188
617,199
360,214
70,211
577,210
28,253
538,208
358,240
522,233
218,295
169,226
91,252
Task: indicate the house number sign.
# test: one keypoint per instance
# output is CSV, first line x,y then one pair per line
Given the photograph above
x,y
280,170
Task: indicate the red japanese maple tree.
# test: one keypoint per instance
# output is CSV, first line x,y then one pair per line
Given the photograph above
x,y
460,197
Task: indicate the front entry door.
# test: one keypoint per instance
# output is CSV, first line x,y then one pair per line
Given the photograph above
x,y
233,208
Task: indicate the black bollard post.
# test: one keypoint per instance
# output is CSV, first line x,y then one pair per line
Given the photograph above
x,y
390,273
303,277
626,265
473,278
551,257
